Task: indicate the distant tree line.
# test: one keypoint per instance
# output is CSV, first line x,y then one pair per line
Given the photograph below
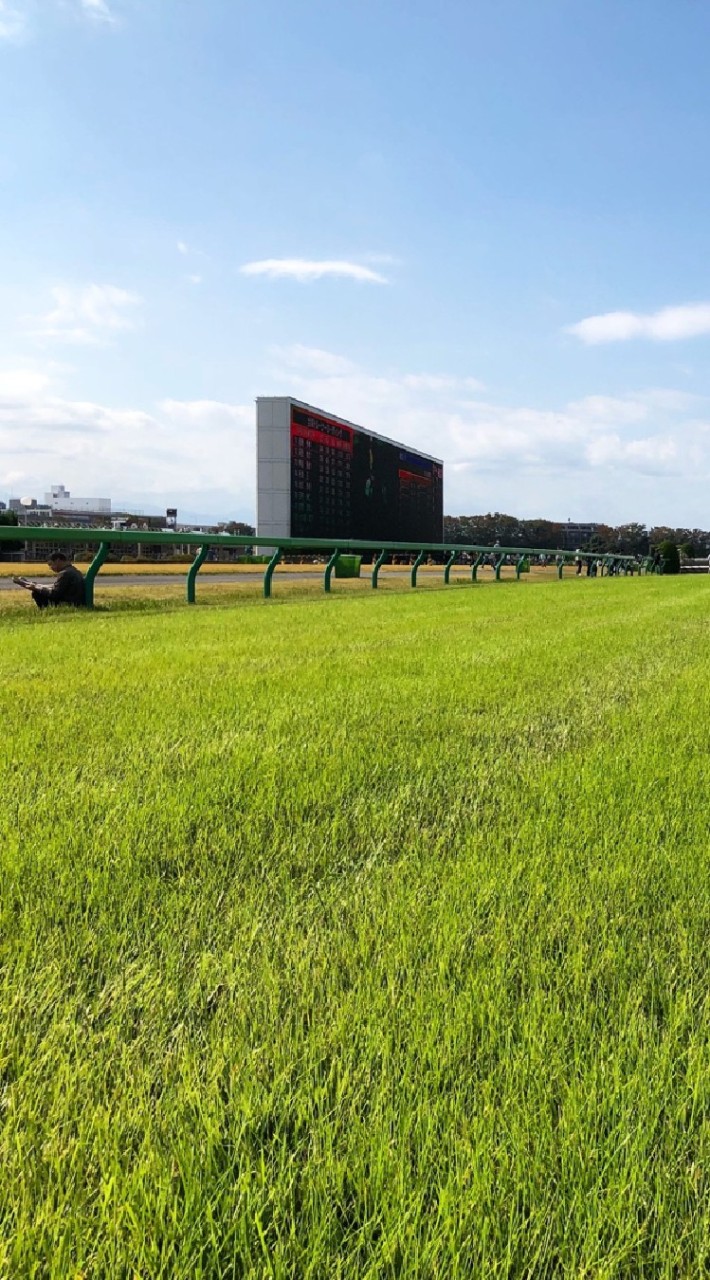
x,y
627,539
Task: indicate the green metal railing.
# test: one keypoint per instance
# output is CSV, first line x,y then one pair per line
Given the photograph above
x,y
105,539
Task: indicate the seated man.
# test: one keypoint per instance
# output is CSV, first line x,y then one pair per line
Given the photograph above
x,y
68,588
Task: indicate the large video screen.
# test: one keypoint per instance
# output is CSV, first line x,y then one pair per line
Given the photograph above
x,y
348,484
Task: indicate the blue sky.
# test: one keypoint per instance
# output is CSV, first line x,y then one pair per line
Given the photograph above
x,y
479,226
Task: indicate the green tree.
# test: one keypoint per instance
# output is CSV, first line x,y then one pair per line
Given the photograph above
x,y
237,528
545,534
671,559
632,539
663,533
701,541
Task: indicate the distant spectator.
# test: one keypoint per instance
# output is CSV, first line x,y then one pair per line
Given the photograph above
x,y
69,587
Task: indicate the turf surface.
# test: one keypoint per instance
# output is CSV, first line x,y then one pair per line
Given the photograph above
x,y
358,937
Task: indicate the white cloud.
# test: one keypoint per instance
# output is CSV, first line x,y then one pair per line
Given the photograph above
x,y
575,438
19,18
13,21
195,279
670,324
87,316
645,455
304,270
197,452
207,413
314,359
187,251
21,385
616,409
11,478
439,382
98,9
658,455
596,455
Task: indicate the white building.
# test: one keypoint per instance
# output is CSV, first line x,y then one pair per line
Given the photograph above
x,y
60,499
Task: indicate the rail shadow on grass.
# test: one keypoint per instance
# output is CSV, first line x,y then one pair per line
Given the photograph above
x,y
160,599
148,598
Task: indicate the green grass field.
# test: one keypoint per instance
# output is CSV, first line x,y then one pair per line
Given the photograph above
x,y
358,937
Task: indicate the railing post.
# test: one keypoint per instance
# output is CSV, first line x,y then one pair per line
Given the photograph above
x,y
104,540
91,572
329,569
376,568
193,572
415,566
270,572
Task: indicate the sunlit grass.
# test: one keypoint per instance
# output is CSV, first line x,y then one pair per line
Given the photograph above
x,y
357,937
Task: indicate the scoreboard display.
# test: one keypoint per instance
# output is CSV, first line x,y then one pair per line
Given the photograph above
x,y
346,483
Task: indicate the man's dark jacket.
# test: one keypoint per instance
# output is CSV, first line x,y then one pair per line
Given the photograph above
x,y
67,588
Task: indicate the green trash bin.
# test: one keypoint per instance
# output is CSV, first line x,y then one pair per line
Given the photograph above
x,y
348,566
